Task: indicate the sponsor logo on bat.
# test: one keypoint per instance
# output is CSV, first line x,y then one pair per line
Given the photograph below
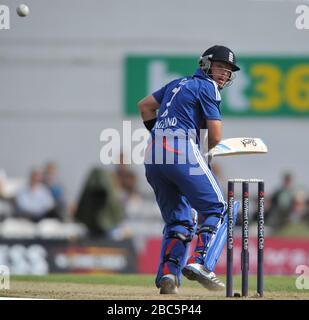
x,y
248,141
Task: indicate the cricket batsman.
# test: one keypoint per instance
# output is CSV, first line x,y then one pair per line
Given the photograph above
x,y
186,190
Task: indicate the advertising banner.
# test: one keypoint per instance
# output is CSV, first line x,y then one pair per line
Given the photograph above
x,y
40,257
281,255
270,86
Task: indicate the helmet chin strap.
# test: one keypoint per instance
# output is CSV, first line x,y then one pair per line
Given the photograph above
x,y
227,83
206,67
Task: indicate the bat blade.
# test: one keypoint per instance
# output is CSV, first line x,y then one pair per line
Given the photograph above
x,y
237,146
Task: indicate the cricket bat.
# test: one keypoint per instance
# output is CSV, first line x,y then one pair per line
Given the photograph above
x,y
237,146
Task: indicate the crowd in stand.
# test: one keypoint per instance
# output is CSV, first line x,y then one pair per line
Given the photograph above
x,y
110,204
287,206
41,197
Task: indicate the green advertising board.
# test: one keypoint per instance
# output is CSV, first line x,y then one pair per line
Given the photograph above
x,y
265,86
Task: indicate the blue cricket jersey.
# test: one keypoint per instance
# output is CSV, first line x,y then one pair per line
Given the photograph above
x,y
187,102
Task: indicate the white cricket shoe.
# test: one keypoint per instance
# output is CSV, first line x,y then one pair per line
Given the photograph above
x,y
209,280
168,284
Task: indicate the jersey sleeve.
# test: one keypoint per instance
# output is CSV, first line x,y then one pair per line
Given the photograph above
x,y
210,100
159,94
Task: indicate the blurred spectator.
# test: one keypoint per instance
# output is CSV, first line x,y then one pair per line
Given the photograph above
x,y
50,179
121,167
299,209
298,220
131,200
6,207
306,218
35,201
281,203
141,217
98,207
132,204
